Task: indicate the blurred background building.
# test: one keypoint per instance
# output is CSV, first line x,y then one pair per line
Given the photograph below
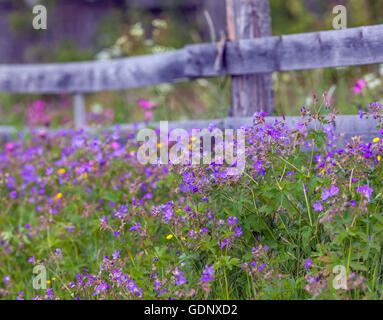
x,y
90,25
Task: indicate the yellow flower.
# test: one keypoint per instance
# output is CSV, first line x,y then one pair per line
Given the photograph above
x,y
61,171
338,164
159,145
190,146
58,196
132,152
376,140
182,238
84,175
193,139
53,279
169,237
322,171
48,282
379,158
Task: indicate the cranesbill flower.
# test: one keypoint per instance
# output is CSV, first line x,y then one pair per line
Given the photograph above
x,y
102,287
208,274
136,227
133,287
308,263
116,254
13,194
238,232
70,228
49,293
366,191
328,193
224,243
261,267
232,220
180,278
318,206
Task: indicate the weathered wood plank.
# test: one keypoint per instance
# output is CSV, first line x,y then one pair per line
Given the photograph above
x,y
94,76
79,110
250,92
324,49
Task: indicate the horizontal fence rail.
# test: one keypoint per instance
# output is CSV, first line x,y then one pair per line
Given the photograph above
x,y
325,49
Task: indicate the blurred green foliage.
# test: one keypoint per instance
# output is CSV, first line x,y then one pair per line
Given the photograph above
x,y
136,32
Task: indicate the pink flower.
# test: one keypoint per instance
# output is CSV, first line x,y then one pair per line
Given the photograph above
x,y
147,104
38,105
115,145
357,90
109,114
36,113
148,114
9,146
360,84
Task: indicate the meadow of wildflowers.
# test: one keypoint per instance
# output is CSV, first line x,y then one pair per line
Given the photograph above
x,y
105,226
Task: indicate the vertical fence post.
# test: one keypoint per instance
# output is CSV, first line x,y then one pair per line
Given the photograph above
x,y
249,93
79,110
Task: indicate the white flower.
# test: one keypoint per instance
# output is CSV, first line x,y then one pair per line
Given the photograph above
x,y
159,23
374,83
137,30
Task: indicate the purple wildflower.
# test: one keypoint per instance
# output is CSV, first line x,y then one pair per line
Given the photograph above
x,y
318,206
208,274
13,194
232,220
116,254
136,227
308,263
366,191
328,193
49,293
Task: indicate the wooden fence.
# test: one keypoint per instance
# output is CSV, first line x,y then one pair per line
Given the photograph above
x,y
248,61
